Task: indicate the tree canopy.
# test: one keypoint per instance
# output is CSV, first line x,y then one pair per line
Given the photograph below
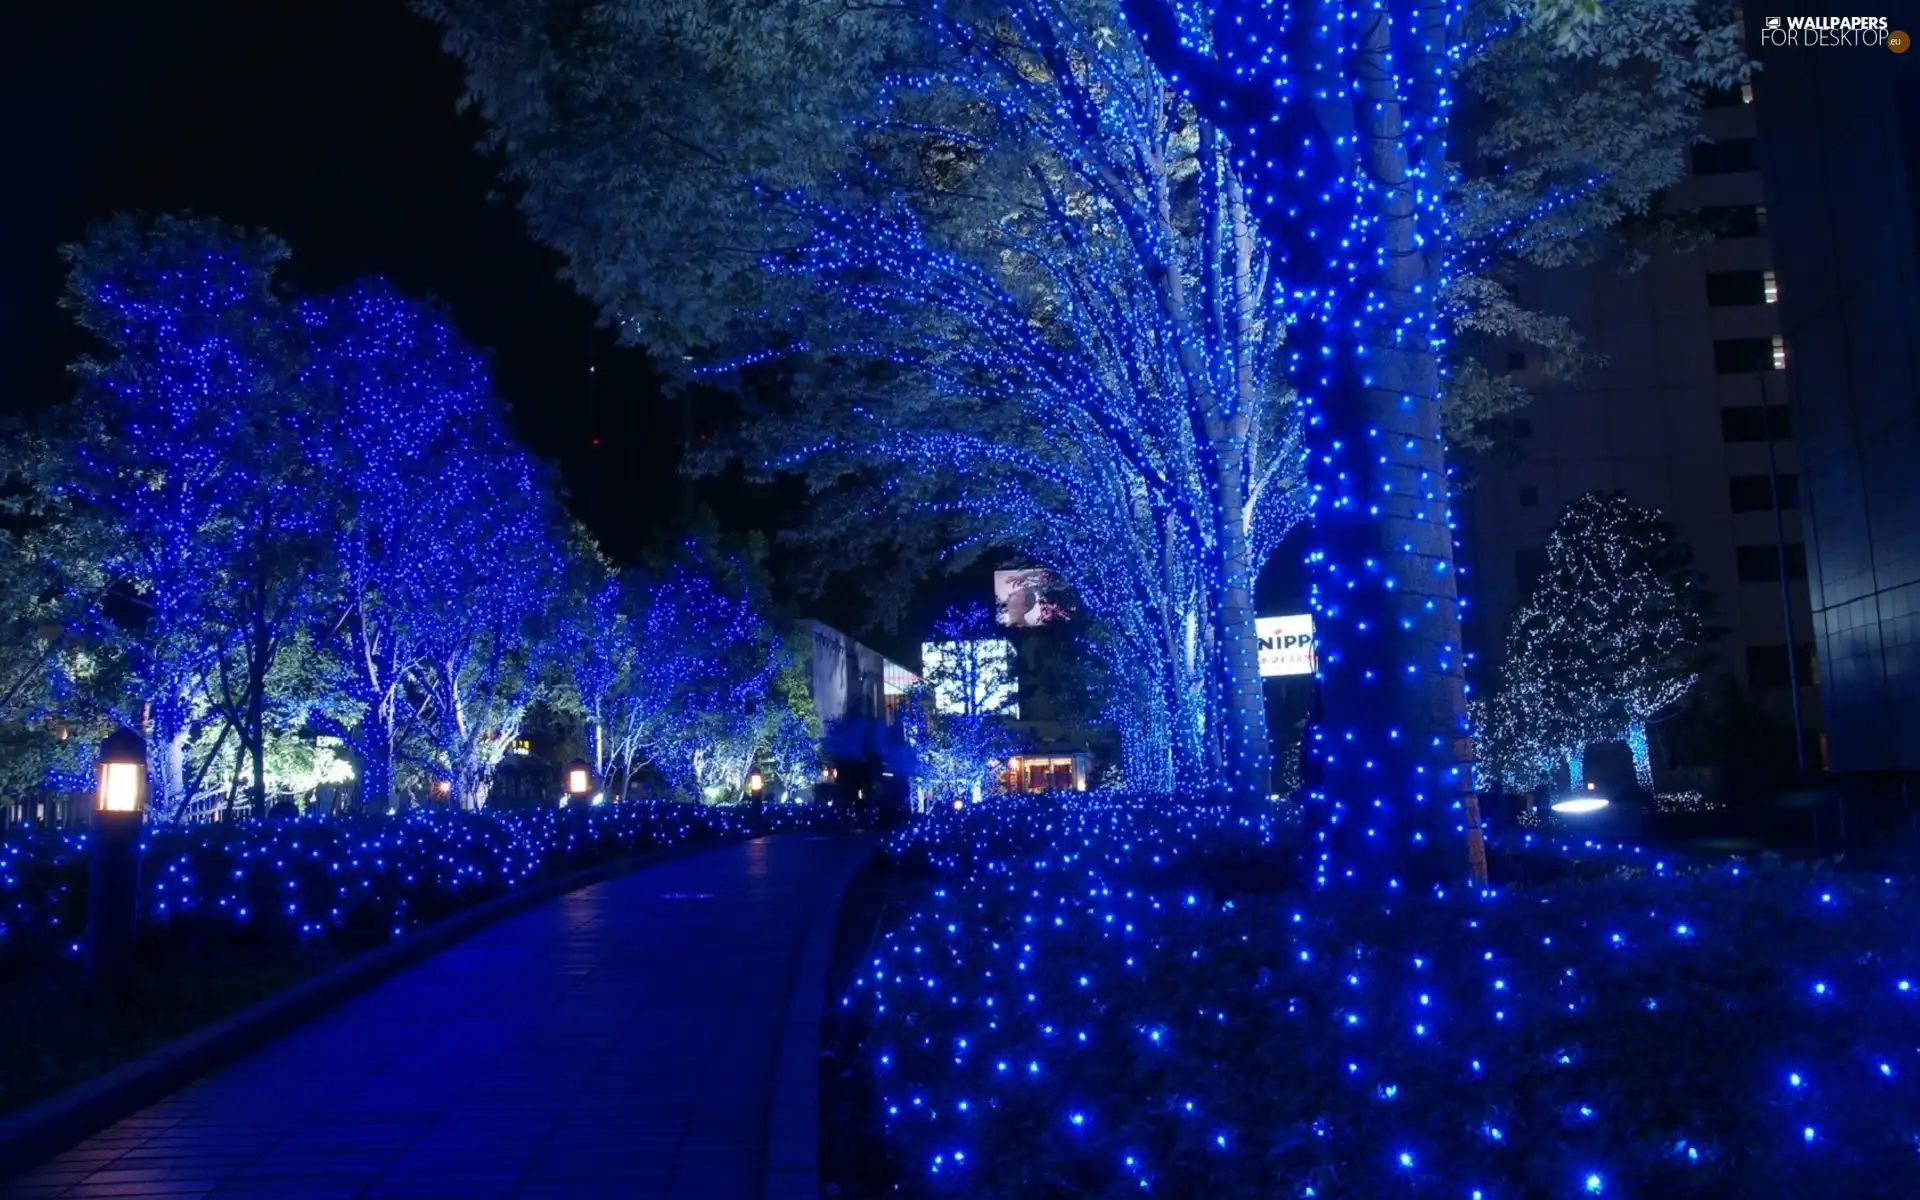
x,y
1609,640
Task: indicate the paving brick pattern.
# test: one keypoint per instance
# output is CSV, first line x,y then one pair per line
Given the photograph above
x,y
620,1041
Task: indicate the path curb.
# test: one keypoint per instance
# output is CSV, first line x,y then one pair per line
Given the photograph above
x,y
793,1130
42,1130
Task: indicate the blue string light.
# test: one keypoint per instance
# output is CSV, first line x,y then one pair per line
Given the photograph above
x,y
319,882
1072,958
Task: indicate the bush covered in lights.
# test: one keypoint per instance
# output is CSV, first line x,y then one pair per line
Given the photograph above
x,y
278,887
1065,1015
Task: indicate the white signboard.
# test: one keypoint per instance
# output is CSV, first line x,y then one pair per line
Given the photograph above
x,y
983,668
1286,645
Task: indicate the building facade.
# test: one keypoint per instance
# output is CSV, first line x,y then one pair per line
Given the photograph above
x,y
850,679
1839,144
1691,414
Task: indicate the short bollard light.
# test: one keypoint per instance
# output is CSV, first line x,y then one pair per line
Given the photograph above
x,y
113,888
579,780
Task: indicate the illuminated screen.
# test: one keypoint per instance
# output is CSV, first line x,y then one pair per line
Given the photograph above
x,y
984,667
1286,645
1028,598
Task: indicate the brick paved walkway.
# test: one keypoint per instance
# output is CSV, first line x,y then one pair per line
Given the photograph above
x,y
620,1041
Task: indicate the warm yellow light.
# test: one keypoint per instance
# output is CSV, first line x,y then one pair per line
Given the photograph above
x,y
755,782
577,781
443,787
120,787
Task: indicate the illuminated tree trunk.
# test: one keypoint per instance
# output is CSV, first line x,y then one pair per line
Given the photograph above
x,y
1395,733
260,654
1392,737
1642,754
1576,766
1325,175
1246,755
172,776
1186,713
166,719
376,756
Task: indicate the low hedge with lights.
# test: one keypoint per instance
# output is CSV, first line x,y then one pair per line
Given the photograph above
x,y
263,888
1067,1015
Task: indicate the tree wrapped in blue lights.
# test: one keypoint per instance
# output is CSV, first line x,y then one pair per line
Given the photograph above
x,y
695,700
494,628
195,440
1037,267
299,518
1076,509
790,741
442,545
1341,117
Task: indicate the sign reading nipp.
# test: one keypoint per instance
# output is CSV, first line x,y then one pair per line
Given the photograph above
x,y
1286,645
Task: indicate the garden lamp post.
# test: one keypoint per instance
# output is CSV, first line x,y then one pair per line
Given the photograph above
x,y
756,783
113,888
579,779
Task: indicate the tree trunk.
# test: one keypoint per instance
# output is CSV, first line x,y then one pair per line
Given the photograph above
x,y
232,809
1395,739
1192,769
1146,762
1576,767
1246,748
376,756
256,737
168,748
1393,744
1642,755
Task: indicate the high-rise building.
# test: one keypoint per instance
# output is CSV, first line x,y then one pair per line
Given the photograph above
x,y
1690,415
1839,126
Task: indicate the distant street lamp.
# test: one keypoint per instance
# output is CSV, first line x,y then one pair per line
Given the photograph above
x,y
113,891
579,779
756,783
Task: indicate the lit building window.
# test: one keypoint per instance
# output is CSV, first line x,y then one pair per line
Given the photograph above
x,y
1779,353
1051,774
1772,288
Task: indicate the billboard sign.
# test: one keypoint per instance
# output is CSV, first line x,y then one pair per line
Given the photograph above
x,y
1286,645
983,667
1027,598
